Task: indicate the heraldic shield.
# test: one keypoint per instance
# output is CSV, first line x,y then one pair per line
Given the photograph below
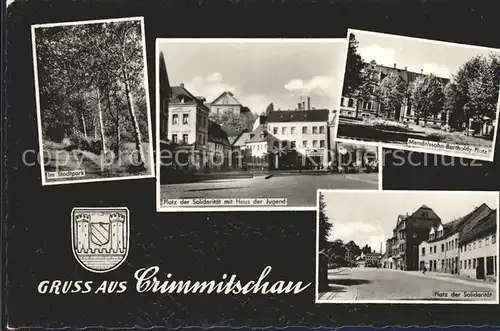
x,y
100,237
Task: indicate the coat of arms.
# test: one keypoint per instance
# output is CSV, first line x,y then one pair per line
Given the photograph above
x,y
100,237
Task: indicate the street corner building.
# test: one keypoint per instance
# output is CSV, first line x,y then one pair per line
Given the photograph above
x,y
466,246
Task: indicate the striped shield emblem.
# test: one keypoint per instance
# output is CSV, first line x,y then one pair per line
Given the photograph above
x,y
99,233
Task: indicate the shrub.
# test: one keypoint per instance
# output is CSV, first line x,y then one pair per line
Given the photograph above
x,y
92,145
436,136
389,125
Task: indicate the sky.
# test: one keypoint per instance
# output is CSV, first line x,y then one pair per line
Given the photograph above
x,y
442,59
369,217
258,72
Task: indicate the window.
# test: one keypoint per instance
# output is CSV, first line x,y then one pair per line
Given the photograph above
x,y
283,130
474,263
174,138
275,130
460,264
175,119
493,238
315,143
304,130
315,130
469,263
423,251
185,138
480,243
322,144
292,130
292,144
304,143
442,247
350,103
321,129
474,245
342,101
442,264
185,119
487,241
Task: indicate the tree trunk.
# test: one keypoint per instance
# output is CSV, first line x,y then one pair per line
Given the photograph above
x,y
357,108
84,127
116,150
135,122
101,122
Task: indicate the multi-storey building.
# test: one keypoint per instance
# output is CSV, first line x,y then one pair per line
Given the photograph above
x,y
257,145
373,108
188,123
301,138
478,248
440,251
408,234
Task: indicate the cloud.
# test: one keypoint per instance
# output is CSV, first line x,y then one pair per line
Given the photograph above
x,y
361,233
381,55
432,68
317,85
256,102
209,87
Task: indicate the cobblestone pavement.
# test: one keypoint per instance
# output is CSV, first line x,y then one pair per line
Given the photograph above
x,y
386,284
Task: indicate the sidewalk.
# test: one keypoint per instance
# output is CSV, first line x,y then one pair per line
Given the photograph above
x,y
338,292
452,278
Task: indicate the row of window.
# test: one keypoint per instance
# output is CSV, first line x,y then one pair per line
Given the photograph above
x,y
448,264
479,243
203,120
315,130
289,144
472,263
346,102
453,244
202,139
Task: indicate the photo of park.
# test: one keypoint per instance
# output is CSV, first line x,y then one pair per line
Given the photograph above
x,y
420,94
92,100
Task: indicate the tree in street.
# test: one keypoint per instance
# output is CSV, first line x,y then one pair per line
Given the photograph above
x,y
324,229
392,92
353,77
427,97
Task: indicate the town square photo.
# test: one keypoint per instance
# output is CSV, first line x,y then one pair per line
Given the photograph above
x,y
250,123
407,247
92,101
419,94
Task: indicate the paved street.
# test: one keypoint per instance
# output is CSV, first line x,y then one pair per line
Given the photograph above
x,y
300,190
385,284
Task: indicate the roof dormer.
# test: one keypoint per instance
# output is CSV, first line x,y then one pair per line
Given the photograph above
x,y
440,228
432,231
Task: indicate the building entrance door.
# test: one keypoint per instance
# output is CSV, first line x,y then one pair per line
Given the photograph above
x,y
480,268
489,266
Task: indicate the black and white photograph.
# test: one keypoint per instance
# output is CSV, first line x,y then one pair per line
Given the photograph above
x,y
249,123
92,101
407,247
420,94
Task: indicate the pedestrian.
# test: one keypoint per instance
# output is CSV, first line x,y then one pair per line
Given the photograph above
x,y
424,270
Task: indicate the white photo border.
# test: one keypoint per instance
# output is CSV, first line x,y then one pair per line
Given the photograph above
x,y
404,146
412,302
38,109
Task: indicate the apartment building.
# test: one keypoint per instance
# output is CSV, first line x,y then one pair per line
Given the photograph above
x,y
408,234
303,134
478,249
372,107
188,123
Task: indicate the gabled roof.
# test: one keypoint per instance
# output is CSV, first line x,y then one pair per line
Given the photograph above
x,y
258,135
243,136
180,91
226,94
282,116
483,227
472,221
408,76
216,134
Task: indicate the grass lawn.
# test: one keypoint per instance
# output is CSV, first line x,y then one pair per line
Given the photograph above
x,y
398,133
58,157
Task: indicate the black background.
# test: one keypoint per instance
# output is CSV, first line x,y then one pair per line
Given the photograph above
x,y
205,245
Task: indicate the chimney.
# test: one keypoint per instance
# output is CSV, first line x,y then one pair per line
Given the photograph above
x,y
304,105
300,105
181,84
308,103
422,71
394,65
406,68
